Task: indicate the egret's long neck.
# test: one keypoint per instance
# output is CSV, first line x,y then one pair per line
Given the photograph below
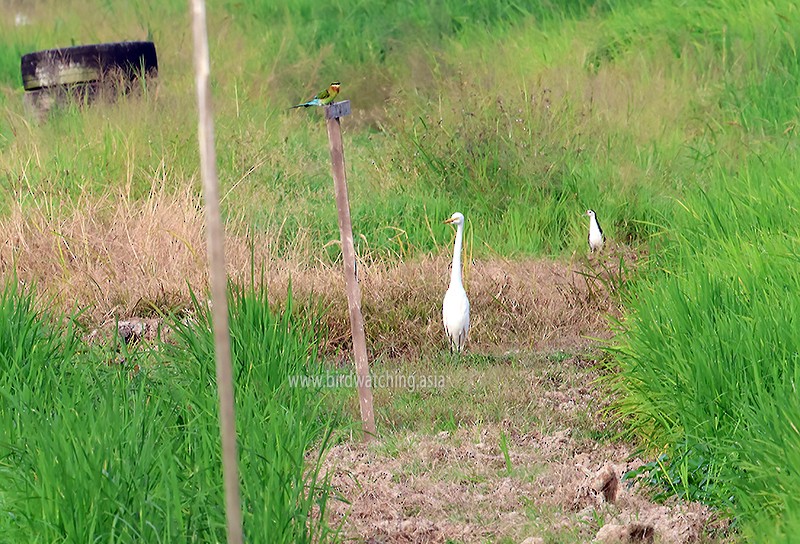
x,y
455,273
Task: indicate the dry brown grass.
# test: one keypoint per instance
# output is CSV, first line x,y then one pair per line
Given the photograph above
x,y
116,257
108,254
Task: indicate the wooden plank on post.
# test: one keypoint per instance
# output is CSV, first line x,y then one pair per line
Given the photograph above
x,y
332,114
217,276
337,109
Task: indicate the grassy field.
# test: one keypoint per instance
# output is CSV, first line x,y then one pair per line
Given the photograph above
x,y
120,442
675,122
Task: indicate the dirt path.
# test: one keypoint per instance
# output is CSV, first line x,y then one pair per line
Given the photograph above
x,y
455,487
557,482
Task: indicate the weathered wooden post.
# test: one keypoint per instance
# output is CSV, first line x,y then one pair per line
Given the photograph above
x,y
332,114
217,276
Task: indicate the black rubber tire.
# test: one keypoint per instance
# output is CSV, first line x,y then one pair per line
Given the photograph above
x,y
87,63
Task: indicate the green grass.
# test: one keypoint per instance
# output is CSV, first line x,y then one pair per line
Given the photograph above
x,y
709,349
94,449
431,132
443,394
675,121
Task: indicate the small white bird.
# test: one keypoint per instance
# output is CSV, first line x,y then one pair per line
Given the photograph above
x,y
596,237
455,308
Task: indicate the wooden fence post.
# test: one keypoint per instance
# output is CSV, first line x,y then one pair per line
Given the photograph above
x,y
332,114
218,278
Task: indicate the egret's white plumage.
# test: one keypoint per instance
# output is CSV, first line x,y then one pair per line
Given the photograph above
x,y
596,238
455,308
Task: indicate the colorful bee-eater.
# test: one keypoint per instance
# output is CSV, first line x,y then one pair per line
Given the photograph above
x,y
322,98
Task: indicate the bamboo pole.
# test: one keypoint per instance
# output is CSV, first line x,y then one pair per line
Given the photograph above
x,y
332,114
217,276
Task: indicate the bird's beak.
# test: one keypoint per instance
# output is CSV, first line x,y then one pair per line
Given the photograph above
x,y
448,221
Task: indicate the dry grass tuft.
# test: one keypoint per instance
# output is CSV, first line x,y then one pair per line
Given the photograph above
x,y
116,257
108,255
526,304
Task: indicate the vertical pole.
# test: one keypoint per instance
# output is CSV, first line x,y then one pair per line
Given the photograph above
x,y
351,283
216,263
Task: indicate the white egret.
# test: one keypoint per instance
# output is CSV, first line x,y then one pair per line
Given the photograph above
x,y
596,237
455,308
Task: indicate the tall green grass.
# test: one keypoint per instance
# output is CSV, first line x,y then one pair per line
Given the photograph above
x,y
372,32
124,447
441,122
278,423
709,349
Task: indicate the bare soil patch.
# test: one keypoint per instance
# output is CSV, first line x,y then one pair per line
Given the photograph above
x,y
519,448
456,487
548,469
